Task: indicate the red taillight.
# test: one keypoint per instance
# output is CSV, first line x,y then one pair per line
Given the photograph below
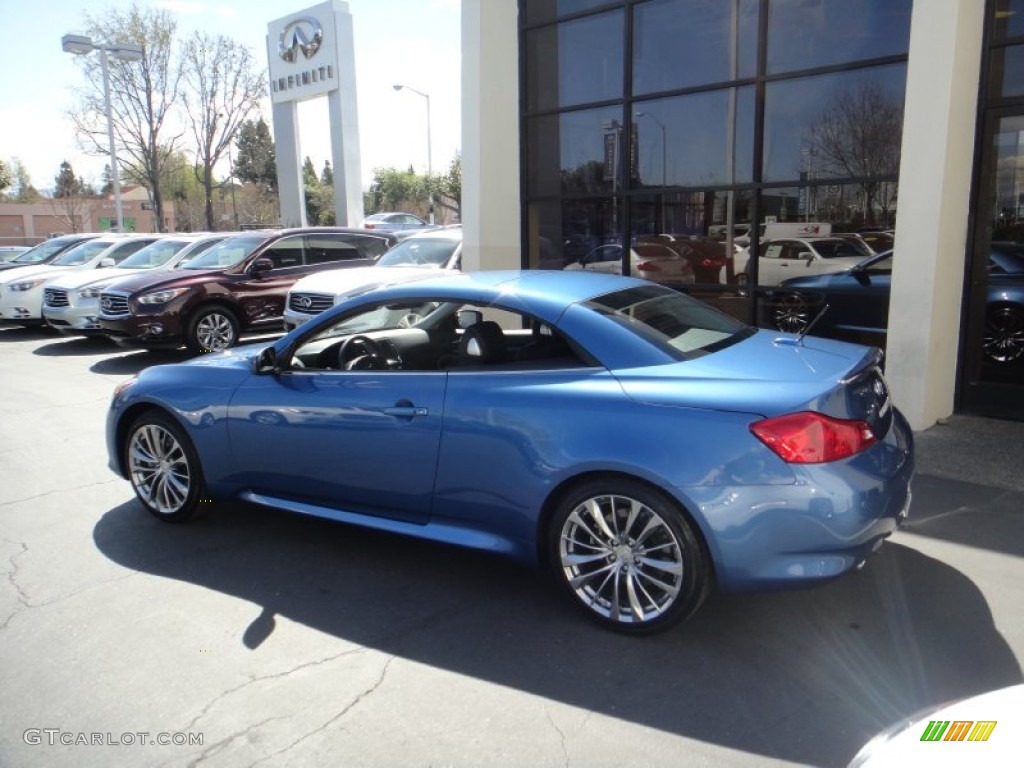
x,y
647,266
813,438
369,225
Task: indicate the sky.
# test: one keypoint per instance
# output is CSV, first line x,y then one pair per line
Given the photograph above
x,y
412,42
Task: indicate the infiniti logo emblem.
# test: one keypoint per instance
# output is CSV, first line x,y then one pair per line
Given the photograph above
x,y
305,302
303,34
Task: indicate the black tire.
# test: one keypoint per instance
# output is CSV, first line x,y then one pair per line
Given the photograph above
x,y
1004,334
791,313
742,284
212,329
163,467
635,586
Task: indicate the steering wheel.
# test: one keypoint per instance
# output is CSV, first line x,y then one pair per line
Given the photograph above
x,y
361,353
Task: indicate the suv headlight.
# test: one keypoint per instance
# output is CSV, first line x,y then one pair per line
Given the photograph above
x,y
28,285
161,297
92,292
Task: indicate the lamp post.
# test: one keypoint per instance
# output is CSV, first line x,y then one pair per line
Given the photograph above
x,y
664,145
430,167
81,45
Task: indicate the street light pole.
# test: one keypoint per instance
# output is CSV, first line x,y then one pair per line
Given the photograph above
x,y
81,45
664,145
430,166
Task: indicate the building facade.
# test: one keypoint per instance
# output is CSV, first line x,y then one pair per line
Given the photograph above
x,y
740,137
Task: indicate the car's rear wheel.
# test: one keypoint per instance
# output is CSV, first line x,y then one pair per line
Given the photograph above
x,y
742,284
628,556
791,313
213,329
1004,334
163,467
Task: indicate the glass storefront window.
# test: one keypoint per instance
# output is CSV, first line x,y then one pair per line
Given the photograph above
x,y
846,124
685,43
1006,77
576,62
1009,18
562,233
701,139
805,34
540,11
576,152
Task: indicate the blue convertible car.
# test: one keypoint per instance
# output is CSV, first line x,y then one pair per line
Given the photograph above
x,y
640,444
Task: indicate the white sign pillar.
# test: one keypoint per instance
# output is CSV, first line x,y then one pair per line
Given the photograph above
x,y
311,54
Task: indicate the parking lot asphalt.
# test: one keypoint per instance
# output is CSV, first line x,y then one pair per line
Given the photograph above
x,y
283,640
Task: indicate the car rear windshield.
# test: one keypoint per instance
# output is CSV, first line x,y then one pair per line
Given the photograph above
x,y
226,253
682,326
431,253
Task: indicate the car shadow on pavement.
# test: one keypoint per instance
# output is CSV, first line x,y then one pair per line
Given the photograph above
x,y
68,346
806,676
12,333
134,362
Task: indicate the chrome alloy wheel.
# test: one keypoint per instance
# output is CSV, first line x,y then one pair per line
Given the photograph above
x,y
215,332
791,313
621,558
159,469
1004,335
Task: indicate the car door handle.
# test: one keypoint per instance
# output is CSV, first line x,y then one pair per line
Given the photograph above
x,y
407,411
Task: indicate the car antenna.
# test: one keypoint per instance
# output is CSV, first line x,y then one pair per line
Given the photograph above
x,y
807,328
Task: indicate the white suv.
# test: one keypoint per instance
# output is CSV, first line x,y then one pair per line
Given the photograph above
x,y
417,257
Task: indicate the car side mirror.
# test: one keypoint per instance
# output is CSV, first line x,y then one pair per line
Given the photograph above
x,y
261,265
807,256
108,262
266,361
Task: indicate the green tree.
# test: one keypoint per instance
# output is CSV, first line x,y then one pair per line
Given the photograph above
x,y
395,190
5,176
71,199
22,190
255,161
449,188
327,174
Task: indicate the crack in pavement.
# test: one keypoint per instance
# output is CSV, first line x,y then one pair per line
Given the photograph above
x,y
561,737
59,490
219,746
354,703
12,579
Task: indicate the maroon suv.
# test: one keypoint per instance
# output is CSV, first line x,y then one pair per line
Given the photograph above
x,y
238,285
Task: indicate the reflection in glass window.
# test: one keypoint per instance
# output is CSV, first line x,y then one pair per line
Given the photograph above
x,y
696,140
1007,72
539,11
562,232
842,207
683,43
1009,18
847,124
804,34
575,62
575,152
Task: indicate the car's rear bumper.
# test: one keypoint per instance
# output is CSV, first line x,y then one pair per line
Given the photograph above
x,y
825,524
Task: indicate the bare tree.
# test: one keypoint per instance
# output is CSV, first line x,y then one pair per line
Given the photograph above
x,y
143,94
858,136
222,89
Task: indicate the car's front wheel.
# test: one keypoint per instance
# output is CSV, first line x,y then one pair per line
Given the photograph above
x,y
213,329
628,556
163,467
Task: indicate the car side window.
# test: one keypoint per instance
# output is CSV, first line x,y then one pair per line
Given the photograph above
x,y
774,251
325,249
286,252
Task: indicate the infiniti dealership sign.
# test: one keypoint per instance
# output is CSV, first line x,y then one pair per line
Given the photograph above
x,y
303,55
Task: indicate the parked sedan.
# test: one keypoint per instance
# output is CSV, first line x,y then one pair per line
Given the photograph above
x,y
396,221
650,261
642,445
239,285
858,301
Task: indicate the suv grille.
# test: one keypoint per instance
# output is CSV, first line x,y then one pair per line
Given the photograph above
x,y
310,303
55,298
112,304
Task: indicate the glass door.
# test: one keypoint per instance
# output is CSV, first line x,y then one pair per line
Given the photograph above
x,y
993,349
